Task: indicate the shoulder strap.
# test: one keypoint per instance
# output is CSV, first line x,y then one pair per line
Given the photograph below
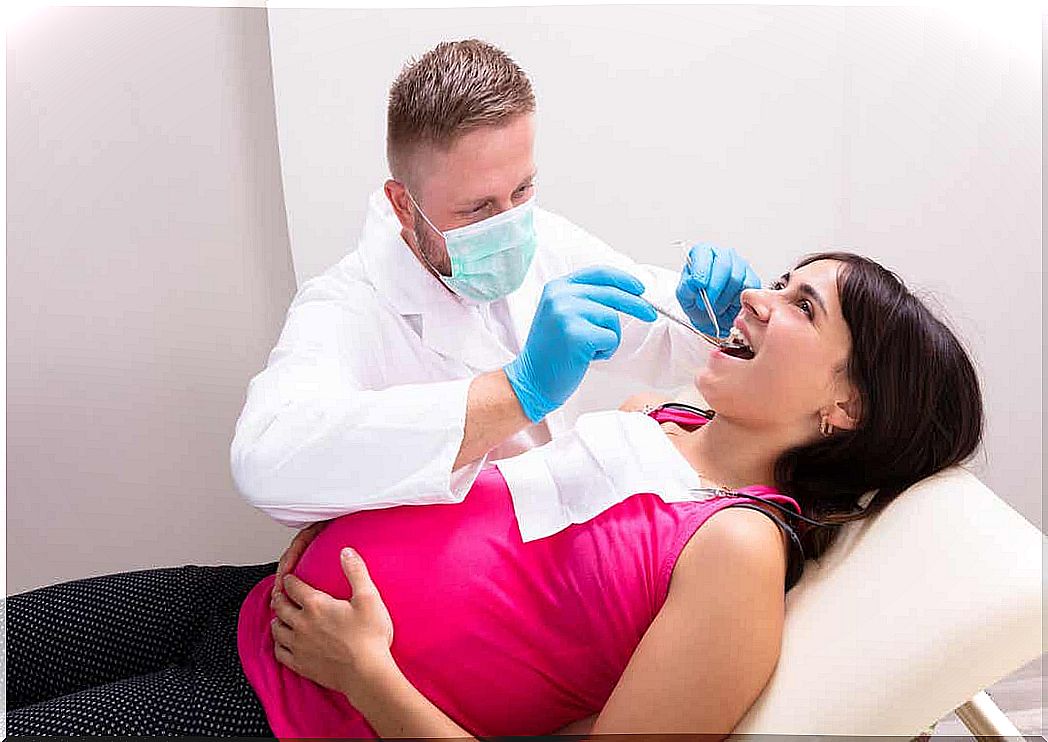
x,y
685,415
795,560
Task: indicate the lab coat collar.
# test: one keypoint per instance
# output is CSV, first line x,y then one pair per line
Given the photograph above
x,y
398,276
451,325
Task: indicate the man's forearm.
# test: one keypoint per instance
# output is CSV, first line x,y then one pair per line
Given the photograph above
x,y
493,414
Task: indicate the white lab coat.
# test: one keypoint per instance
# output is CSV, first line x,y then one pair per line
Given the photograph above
x,y
362,402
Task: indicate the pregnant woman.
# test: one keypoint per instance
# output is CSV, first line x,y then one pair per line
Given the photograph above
x,y
650,617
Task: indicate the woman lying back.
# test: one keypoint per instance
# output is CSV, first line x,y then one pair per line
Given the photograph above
x,y
654,617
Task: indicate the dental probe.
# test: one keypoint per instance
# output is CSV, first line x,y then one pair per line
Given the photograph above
x,y
718,342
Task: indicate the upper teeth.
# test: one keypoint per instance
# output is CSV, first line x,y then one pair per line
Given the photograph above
x,y
736,336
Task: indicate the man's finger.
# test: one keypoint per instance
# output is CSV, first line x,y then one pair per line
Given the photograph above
x,y
726,318
752,281
700,262
720,276
604,343
620,301
605,275
736,277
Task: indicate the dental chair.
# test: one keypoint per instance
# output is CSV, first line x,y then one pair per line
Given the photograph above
x,y
909,616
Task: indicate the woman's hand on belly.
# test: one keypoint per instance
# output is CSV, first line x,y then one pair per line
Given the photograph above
x,y
340,644
345,645
294,551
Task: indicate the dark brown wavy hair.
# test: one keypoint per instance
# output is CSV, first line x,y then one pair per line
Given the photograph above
x,y
920,405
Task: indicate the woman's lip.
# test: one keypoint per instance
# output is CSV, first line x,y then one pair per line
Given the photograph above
x,y
720,352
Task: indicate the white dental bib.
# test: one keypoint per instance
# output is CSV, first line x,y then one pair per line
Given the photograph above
x,y
607,457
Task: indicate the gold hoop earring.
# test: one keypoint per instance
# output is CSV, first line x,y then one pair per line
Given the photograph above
x,y
825,428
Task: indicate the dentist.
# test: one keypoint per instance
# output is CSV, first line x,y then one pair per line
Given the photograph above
x,y
460,327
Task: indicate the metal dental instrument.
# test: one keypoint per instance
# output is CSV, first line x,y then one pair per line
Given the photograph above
x,y
685,324
710,313
716,340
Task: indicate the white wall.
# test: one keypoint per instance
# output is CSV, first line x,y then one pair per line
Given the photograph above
x,y
908,135
148,273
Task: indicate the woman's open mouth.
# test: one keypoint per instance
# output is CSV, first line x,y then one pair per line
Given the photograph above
x,y
739,348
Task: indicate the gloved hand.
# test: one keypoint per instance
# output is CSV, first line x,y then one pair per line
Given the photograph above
x,y
575,323
724,275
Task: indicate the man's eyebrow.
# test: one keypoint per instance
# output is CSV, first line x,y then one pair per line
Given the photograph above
x,y
484,199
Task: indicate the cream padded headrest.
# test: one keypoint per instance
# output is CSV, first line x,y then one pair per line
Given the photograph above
x,y
907,615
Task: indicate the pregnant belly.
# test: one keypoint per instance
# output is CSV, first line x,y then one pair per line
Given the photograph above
x,y
470,628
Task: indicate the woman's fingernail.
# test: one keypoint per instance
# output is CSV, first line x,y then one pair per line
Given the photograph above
x,y
348,553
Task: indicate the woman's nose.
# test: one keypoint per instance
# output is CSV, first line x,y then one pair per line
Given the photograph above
x,y
755,301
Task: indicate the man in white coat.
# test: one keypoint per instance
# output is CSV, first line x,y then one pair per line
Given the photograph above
x,y
464,320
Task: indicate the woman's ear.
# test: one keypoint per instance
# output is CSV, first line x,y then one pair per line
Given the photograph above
x,y
846,414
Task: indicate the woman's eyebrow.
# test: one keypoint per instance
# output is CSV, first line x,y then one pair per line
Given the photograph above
x,y
813,294
806,290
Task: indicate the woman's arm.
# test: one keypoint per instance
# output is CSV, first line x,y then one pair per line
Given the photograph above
x,y
714,644
699,667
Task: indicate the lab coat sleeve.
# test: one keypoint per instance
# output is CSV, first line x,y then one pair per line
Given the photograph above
x,y
313,444
661,353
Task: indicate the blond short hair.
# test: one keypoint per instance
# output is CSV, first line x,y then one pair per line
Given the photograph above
x,y
452,89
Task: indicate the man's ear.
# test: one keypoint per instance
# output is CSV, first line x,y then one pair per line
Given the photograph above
x,y
401,203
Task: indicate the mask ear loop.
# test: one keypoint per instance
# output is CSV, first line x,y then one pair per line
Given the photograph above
x,y
422,213
421,252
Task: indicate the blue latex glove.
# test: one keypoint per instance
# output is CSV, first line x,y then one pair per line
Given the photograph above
x,y
576,322
724,275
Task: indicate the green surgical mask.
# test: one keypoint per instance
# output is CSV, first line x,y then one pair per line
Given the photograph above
x,y
489,258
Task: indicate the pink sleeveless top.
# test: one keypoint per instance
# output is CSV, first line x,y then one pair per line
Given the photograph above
x,y
506,638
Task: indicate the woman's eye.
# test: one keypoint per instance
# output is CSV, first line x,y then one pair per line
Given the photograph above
x,y
777,285
806,307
